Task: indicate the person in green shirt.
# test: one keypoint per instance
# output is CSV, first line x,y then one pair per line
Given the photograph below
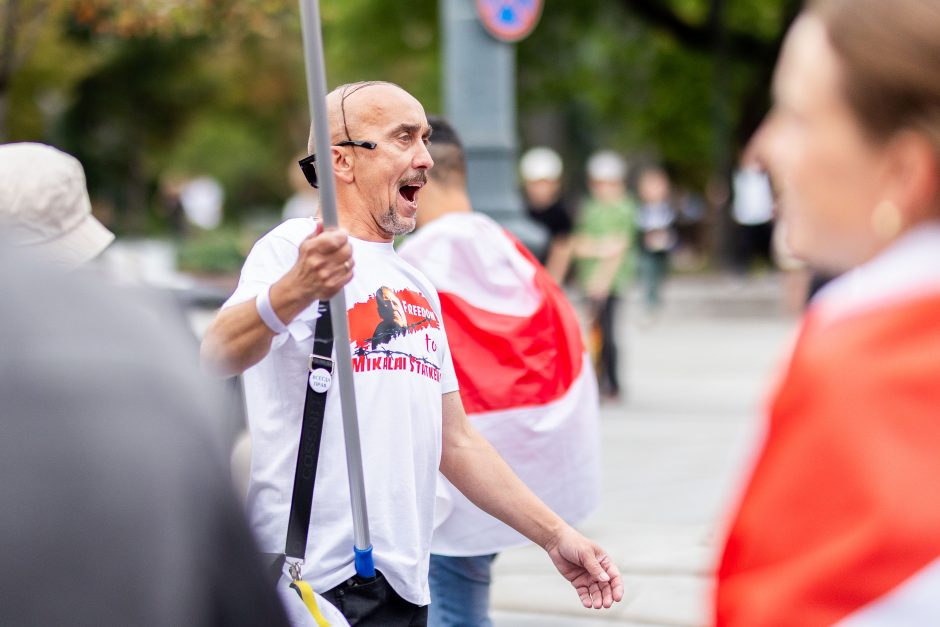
x,y
604,260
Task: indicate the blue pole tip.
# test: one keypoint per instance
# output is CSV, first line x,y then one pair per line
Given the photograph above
x,y
365,567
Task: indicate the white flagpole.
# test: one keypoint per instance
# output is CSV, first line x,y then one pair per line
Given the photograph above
x,y
316,95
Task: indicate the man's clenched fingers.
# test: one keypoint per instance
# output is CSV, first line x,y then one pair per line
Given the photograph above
x,y
326,242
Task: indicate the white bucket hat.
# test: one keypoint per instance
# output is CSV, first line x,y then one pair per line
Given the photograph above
x,y
540,164
44,204
606,165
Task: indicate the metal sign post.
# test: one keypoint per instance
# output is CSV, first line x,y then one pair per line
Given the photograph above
x,y
316,95
479,89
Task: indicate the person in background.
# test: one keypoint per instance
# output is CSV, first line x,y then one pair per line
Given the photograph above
x,y
525,380
541,170
603,252
691,210
169,206
840,521
752,207
203,200
305,201
657,235
44,205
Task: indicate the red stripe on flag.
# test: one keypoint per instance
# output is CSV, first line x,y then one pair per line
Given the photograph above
x,y
504,361
844,504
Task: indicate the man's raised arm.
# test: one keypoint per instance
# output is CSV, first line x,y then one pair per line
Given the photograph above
x,y
239,337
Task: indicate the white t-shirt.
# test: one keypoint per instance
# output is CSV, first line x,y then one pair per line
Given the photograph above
x,y
400,373
753,198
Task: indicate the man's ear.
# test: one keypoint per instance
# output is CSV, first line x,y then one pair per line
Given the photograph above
x,y
343,161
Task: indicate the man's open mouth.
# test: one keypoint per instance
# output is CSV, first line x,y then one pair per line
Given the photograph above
x,y
409,192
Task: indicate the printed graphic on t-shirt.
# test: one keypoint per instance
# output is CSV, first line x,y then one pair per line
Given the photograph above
x,y
387,315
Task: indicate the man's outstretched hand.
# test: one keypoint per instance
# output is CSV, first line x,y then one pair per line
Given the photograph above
x,y
588,567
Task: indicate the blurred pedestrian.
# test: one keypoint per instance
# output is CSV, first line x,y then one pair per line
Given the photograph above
x,y
44,205
689,253
203,198
752,207
541,170
840,522
413,422
525,380
657,236
169,205
116,507
305,200
604,258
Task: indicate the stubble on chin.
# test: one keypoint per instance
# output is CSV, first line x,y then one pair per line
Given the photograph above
x,y
395,224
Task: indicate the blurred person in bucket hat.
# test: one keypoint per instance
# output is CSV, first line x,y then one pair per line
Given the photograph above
x,y
604,261
44,205
541,170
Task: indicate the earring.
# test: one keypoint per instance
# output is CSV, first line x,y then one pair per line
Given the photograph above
x,y
886,220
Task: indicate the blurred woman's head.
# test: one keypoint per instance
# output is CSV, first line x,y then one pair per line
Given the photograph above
x,y
853,141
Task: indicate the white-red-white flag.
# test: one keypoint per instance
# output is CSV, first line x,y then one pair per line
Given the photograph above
x,y
840,522
525,379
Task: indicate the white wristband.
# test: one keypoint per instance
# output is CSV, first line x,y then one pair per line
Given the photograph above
x,y
266,311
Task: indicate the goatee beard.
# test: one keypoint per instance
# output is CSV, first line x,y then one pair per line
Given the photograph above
x,y
394,224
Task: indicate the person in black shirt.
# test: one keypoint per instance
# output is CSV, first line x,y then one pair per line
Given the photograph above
x,y
541,170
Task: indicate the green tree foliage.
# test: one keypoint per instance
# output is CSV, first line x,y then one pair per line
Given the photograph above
x,y
171,88
394,41
150,90
655,78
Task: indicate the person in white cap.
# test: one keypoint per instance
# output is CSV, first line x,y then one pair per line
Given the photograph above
x,y
541,170
604,253
44,205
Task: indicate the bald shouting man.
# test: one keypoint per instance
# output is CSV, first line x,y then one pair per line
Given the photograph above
x,y
410,412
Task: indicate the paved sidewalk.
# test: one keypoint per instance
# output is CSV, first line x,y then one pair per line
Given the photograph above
x,y
674,453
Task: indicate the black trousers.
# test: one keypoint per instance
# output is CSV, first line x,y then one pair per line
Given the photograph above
x,y
752,242
375,604
608,378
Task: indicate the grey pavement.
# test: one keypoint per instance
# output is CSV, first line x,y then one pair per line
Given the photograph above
x,y
675,452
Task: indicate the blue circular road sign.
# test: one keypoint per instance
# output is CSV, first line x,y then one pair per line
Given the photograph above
x,y
509,20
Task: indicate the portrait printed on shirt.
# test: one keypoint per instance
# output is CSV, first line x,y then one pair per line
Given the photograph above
x,y
395,330
394,319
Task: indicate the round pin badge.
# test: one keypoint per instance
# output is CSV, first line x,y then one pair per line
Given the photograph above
x,y
320,380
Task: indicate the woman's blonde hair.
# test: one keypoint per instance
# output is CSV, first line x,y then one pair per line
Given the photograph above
x,y
890,54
